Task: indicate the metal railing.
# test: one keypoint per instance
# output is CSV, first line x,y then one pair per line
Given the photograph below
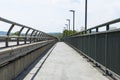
x,y
106,25
34,36
103,48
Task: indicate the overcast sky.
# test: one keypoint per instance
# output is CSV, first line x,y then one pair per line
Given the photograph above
x,y
51,15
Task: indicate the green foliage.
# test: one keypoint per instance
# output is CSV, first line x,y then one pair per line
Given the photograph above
x,y
16,33
68,32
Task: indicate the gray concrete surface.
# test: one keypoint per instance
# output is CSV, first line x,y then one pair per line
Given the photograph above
x,y
64,63
16,59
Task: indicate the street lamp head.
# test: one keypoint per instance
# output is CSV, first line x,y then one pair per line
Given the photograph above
x,y
68,19
66,24
72,10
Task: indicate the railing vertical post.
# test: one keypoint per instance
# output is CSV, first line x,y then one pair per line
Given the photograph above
x,y
26,35
18,38
97,29
90,31
8,33
95,49
41,36
35,38
106,43
31,36
38,37
107,27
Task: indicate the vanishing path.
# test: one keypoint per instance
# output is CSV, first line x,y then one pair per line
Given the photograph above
x,y
64,63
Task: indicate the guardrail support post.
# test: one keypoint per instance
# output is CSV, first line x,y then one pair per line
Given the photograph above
x,y
31,35
97,29
19,35
35,39
107,27
8,33
26,36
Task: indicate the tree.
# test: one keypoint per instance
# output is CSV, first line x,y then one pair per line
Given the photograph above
x,y
68,32
16,33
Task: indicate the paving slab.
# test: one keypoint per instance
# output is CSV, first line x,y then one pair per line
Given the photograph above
x,y
64,63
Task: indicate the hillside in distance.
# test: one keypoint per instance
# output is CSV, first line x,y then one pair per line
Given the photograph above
x,y
55,34
3,33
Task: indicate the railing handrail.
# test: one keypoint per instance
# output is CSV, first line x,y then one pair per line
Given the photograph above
x,y
35,35
107,24
11,22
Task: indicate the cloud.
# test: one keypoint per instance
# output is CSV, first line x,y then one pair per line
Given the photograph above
x,y
64,1
51,15
102,11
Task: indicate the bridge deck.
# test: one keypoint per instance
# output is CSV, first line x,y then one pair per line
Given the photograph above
x,y
64,63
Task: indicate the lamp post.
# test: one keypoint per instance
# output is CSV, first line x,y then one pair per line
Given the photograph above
x,y
66,26
85,14
73,20
68,23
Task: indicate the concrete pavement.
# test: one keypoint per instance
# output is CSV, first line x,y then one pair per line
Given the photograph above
x,y
64,63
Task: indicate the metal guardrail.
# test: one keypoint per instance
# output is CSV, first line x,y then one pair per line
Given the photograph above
x,y
103,48
34,36
107,25
16,59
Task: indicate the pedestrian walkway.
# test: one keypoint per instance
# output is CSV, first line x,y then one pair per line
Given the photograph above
x,y
64,63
